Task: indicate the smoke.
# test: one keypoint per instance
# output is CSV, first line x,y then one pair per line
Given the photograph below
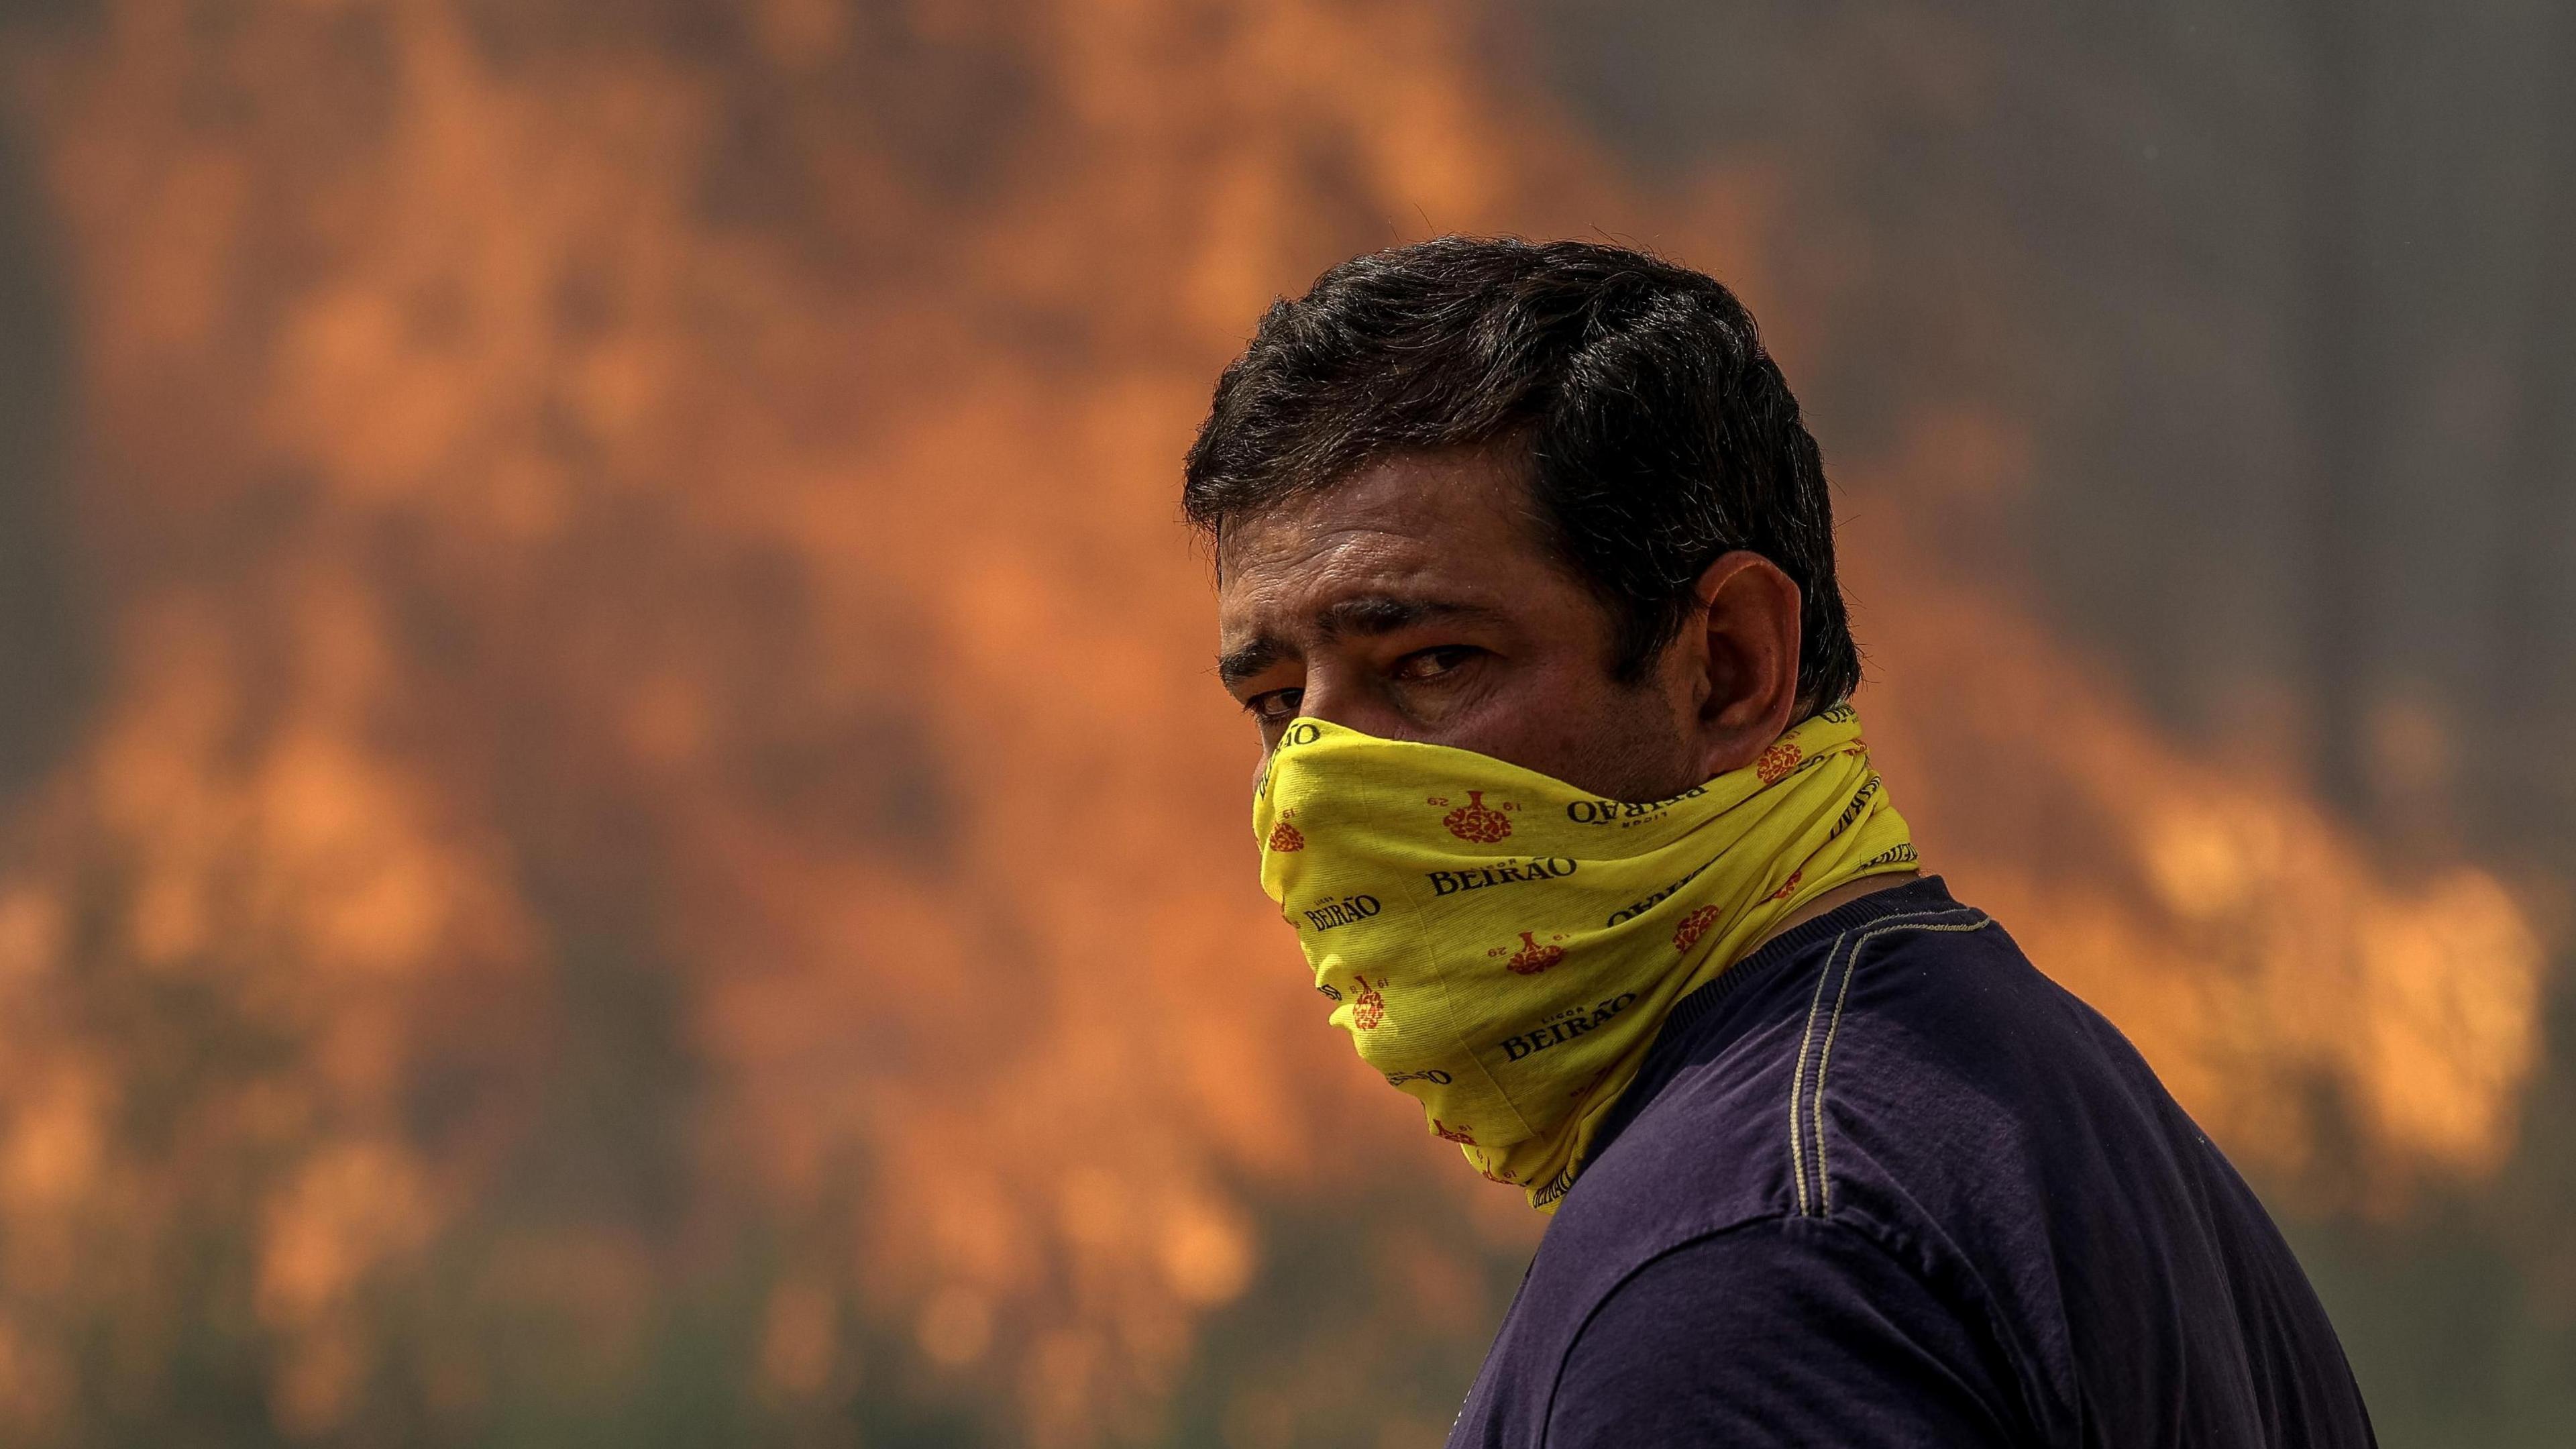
x,y
655,811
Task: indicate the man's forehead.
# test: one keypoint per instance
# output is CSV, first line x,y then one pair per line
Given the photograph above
x,y
1407,539
1331,581
1404,512
1298,569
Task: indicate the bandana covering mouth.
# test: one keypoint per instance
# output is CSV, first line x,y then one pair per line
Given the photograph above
x,y
1503,946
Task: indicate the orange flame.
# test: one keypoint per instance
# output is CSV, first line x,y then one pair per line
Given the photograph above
x,y
655,696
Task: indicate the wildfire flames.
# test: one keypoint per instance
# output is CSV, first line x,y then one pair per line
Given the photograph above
x,y
654,738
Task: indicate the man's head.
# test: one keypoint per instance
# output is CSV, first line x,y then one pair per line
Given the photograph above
x,y
1552,503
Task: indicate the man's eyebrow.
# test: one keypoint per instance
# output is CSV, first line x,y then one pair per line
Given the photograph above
x,y
1237,665
1369,614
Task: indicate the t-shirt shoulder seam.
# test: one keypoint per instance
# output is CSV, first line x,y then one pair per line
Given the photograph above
x,y
1845,953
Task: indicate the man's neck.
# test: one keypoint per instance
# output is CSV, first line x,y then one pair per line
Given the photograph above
x,y
1839,896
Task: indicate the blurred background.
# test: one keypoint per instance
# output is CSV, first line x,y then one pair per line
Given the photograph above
x,y
615,827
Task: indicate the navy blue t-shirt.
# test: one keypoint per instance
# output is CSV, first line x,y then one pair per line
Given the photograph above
x,y
1882,1183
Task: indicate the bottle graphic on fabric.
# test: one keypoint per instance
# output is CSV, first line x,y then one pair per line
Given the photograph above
x,y
1694,926
1477,821
1777,762
1534,957
1369,1007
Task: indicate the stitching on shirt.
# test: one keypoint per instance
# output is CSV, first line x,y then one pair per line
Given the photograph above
x,y
1807,1041
1824,1057
1798,1075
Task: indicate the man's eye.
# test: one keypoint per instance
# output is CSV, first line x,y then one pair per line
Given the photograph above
x,y
1276,706
1431,663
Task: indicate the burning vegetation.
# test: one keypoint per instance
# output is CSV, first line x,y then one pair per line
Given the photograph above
x,y
651,836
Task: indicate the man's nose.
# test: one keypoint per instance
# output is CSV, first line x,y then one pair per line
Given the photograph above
x,y
1338,699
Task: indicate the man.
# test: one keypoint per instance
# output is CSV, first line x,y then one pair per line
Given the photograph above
x,y
1526,576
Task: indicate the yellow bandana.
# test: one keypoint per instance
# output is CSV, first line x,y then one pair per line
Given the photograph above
x,y
1503,946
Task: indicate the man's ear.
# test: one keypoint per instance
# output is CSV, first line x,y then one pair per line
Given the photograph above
x,y
1747,657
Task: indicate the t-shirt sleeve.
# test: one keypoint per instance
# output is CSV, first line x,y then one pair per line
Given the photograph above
x,y
1789,1332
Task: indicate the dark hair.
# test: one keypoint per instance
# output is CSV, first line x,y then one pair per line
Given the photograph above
x,y
1657,431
